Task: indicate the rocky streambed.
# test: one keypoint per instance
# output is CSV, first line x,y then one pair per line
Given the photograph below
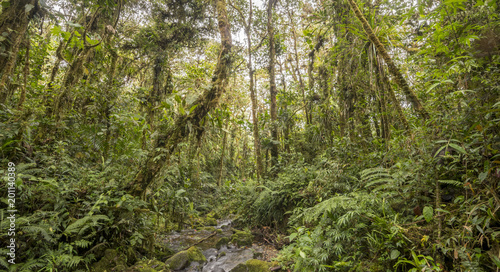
x,y
218,248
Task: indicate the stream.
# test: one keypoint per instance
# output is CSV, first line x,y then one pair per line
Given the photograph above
x,y
218,260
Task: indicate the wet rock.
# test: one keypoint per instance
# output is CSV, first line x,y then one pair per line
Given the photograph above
x,y
210,254
209,229
242,238
210,221
252,265
184,258
112,261
148,266
222,242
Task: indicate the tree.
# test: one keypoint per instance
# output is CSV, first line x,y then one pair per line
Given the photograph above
x,y
167,141
255,118
272,82
393,69
14,22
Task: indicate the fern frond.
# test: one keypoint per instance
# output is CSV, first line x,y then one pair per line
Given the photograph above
x,y
452,182
31,264
38,229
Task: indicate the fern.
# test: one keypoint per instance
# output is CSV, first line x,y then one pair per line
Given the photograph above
x,y
82,243
452,182
3,261
31,264
80,225
39,229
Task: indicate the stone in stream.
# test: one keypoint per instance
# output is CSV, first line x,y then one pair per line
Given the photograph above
x,y
184,258
242,238
252,265
222,242
148,266
112,261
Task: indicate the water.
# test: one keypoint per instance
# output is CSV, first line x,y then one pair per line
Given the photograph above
x,y
218,260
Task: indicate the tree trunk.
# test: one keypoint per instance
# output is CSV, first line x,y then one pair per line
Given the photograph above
x,y
14,21
399,78
224,141
255,118
392,96
166,142
272,83
26,72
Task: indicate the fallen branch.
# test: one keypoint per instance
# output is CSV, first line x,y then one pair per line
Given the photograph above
x,y
199,241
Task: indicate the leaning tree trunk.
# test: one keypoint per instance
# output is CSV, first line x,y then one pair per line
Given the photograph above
x,y
166,142
400,80
14,22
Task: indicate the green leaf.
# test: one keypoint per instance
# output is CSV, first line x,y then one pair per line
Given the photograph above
x,y
74,24
292,236
458,148
302,254
483,176
428,212
178,98
394,254
28,8
192,108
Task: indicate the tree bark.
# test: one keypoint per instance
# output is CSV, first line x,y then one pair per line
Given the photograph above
x,y
166,142
14,21
398,76
272,83
223,151
26,73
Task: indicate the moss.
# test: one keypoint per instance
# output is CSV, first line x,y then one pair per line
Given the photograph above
x,y
222,241
242,238
211,229
183,258
222,254
148,266
210,221
252,265
219,231
163,252
112,259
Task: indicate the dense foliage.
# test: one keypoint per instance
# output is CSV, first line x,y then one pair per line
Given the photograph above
x,y
352,135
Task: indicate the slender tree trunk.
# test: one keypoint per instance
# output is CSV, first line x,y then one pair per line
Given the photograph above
x,y
221,167
22,98
398,76
255,118
166,142
298,77
272,83
393,98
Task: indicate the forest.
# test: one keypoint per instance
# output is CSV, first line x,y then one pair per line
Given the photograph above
x,y
249,135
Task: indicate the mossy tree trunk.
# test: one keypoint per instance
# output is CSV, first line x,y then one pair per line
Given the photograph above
x,y
166,142
14,22
393,69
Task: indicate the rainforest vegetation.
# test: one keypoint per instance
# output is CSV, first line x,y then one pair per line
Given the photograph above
x,y
341,135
